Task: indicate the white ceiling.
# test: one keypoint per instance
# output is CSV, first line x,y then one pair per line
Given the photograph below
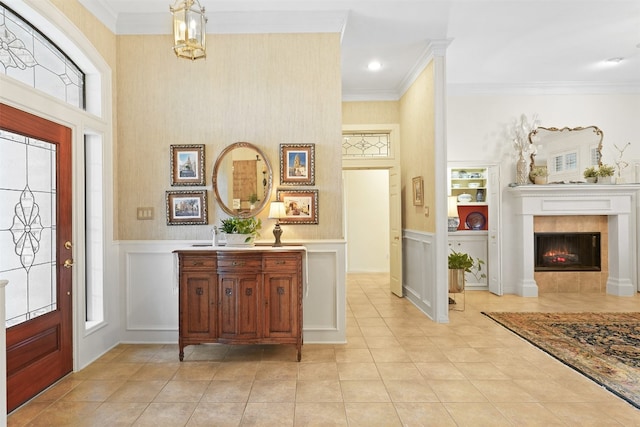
x,y
493,46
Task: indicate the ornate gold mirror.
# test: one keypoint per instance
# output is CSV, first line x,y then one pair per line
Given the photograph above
x,y
242,180
566,152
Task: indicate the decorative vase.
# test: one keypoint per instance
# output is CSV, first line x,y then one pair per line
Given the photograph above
x,y
591,179
522,176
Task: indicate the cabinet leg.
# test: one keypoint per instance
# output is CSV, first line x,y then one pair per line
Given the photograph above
x,y
299,347
181,354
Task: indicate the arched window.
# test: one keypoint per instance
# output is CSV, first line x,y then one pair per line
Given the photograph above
x,y
31,58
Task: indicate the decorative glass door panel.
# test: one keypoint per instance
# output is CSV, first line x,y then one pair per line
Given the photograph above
x,y
27,225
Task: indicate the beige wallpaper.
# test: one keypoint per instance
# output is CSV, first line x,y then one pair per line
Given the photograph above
x,y
370,112
266,89
417,112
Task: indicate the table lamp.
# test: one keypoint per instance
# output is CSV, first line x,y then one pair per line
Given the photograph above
x,y
276,211
453,220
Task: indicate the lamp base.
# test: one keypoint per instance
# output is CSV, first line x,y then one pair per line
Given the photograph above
x,y
453,223
277,232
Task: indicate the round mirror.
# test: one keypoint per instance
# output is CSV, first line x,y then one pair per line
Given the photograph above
x,y
242,180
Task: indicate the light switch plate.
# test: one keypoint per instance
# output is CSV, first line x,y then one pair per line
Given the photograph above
x,y
145,213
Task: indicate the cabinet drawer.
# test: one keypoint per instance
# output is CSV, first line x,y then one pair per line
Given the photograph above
x,y
239,263
198,262
281,263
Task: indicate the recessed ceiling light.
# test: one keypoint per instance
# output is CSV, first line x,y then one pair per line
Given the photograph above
x,y
374,66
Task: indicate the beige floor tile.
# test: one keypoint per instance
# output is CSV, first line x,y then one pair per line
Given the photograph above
x,y
320,414
217,414
364,391
197,370
228,391
481,371
353,355
235,370
109,371
92,391
582,414
440,371
528,414
182,391
111,414
268,414
277,371
503,391
166,414
273,391
417,390
372,414
318,391
396,354
456,391
318,371
63,413
398,371
424,414
358,371
137,391
156,371
477,415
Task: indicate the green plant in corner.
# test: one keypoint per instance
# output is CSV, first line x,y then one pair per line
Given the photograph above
x,y
461,260
253,198
237,225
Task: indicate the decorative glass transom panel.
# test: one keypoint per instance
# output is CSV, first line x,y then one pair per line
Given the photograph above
x,y
27,226
28,56
365,145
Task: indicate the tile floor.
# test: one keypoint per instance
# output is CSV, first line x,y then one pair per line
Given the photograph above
x,y
398,368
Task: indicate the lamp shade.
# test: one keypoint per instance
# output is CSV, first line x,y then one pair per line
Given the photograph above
x,y
452,207
189,32
276,210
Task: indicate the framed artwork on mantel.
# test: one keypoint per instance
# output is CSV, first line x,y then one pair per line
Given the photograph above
x,y
297,164
187,164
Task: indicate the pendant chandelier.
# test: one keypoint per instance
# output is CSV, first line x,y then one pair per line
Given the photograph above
x,y
189,32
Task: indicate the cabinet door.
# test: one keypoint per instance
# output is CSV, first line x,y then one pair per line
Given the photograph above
x,y
197,296
281,305
239,296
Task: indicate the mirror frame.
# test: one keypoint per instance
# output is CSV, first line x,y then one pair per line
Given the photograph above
x,y
534,132
259,207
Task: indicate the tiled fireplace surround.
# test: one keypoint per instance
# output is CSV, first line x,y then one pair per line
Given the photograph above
x,y
608,209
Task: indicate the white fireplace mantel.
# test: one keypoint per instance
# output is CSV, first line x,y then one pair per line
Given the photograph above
x,y
617,202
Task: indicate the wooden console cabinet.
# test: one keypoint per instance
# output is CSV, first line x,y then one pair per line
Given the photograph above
x,y
240,296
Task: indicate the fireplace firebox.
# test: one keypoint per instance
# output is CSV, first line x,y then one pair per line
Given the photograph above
x,y
567,252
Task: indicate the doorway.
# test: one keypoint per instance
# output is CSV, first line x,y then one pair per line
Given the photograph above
x,y
35,222
366,204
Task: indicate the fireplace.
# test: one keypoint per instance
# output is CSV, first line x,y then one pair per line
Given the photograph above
x,y
567,252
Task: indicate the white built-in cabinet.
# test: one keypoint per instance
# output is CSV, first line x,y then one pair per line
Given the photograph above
x,y
471,186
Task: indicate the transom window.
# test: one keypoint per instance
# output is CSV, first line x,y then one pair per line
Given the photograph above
x,y
28,56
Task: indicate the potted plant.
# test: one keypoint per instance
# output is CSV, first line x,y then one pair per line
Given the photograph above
x,y
253,198
539,174
459,264
241,231
590,174
605,172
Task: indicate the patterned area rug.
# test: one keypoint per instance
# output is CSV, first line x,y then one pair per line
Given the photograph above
x,y
605,347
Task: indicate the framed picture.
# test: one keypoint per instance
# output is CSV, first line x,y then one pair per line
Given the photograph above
x,y
187,207
297,164
418,191
301,206
187,164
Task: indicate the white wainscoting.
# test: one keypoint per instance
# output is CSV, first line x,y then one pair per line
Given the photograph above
x,y
419,272
150,285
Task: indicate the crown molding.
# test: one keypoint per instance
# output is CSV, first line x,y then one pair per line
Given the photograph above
x,y
547,88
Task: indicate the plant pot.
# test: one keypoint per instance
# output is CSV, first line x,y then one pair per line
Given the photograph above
x,y
604,180
240,240
591,179
456,280
540,180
